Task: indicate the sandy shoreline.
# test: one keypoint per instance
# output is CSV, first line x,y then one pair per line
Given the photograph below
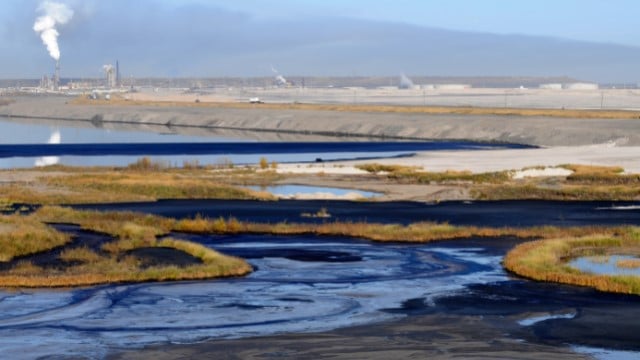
x,y
540,131
478,161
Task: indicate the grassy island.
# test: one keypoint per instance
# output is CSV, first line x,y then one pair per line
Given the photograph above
x,y
124,248
547,260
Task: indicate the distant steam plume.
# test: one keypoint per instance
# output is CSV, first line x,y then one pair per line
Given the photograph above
x,y
405,82
54,14
280,80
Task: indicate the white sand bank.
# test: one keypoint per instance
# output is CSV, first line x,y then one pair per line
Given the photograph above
x,y
478,161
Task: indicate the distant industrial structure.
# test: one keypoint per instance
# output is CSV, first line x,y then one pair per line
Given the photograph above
x,y
53,82
111,81
109,76
112,75
56,77
570,86
581,86
551,86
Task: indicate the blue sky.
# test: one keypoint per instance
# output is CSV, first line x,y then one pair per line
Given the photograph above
x,y
594,40
613,21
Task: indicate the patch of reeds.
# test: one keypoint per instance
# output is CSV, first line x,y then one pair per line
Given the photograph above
x,y
376,168
530,191
69,185
131,231
142,187
24,235
415,232
600,175
80,254
628,263
546,260
123,270
411,175
148,164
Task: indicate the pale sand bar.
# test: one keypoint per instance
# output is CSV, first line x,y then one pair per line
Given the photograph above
x,y
479,161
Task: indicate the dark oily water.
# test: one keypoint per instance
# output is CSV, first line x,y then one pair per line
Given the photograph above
x,y
300,284
242,148
481,213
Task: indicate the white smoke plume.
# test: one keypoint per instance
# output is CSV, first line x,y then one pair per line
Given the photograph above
x,y
54,14
405,82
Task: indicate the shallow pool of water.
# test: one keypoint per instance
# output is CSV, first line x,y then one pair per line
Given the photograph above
x,y
605,265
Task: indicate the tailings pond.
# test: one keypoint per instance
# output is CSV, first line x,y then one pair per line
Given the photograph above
x,y
310,284
31,142
302,283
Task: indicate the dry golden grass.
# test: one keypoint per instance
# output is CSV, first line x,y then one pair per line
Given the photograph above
x,y
546,260
411,175
82,254
99,185
586,183
122,225
563,193
416,232
458,110
601,175
112,270
628,263
141,186
592,169
131,231
23,235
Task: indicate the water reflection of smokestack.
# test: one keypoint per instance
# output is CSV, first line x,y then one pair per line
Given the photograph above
x,y
55,138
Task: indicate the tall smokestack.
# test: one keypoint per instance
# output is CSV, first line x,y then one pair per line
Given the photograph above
x,y
53,14
56,76
118,84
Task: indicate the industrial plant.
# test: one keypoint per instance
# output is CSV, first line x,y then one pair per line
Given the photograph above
x,y
112,81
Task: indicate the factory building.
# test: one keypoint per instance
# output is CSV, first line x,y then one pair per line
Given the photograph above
x,y
570,86
53,82
110,75
581,86
46,82
551,86
452,86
